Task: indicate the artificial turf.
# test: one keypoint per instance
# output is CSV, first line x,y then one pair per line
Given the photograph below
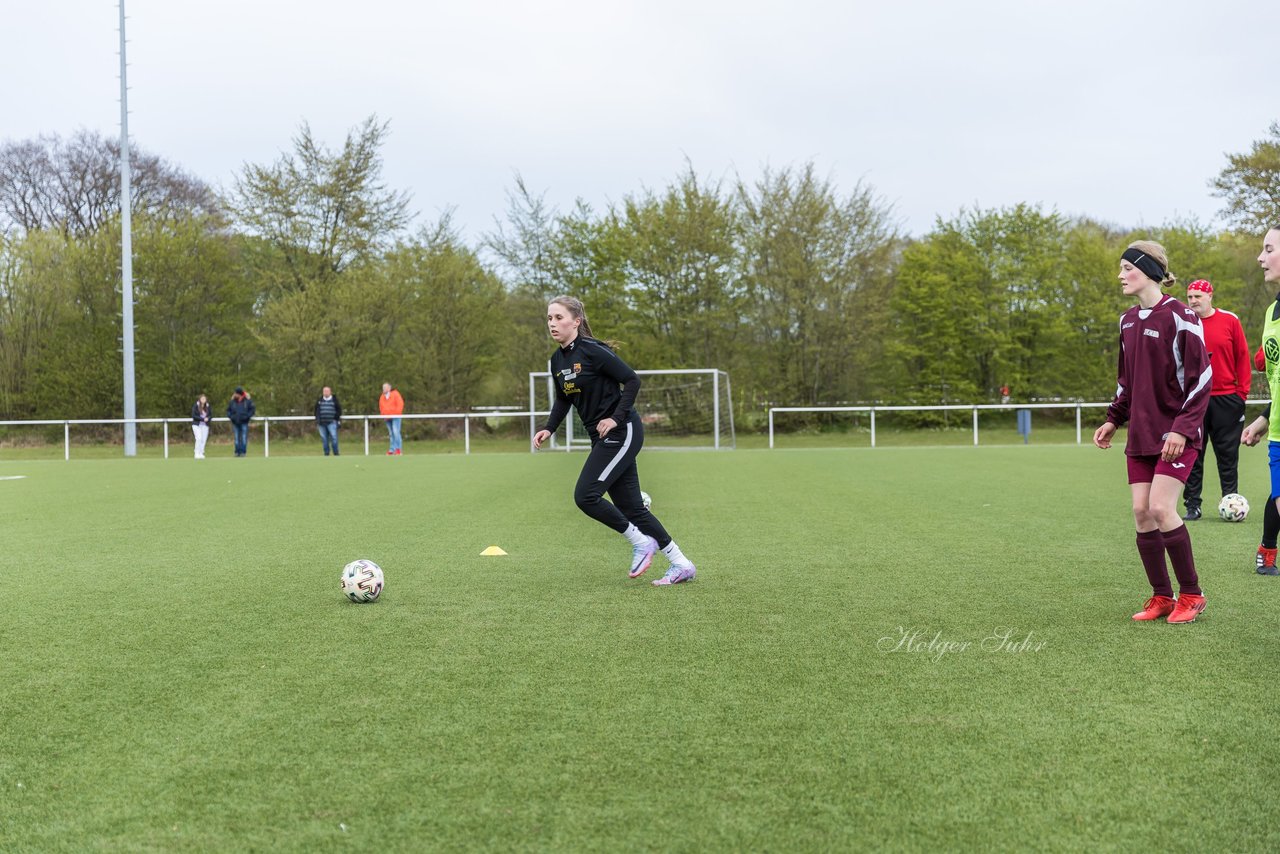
x,y
902,648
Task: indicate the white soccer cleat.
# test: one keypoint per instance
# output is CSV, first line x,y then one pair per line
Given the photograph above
x,y
677,575
642,556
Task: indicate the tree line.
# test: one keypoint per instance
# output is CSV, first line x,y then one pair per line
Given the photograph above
x,y
310,271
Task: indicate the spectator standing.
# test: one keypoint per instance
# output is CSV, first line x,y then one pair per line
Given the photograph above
x,y
240,412
328,419
1224,339
201,415
391,405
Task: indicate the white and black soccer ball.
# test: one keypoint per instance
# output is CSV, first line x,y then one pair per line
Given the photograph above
x,y
362,580
645,499
1233,507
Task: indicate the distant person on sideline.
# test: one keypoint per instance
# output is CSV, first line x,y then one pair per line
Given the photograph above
x,y
240,412
1224,339
590,377
328,419
1269,260
201,414
1162,390
391,406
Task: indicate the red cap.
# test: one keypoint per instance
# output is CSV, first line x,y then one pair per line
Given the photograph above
x,y
1200,285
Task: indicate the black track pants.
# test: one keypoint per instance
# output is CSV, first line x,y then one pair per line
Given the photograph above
x,y
611,468
1223,424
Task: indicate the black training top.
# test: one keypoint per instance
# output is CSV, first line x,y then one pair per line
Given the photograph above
x,y
590,377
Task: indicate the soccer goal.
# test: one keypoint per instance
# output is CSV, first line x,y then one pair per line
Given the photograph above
x,y
687,409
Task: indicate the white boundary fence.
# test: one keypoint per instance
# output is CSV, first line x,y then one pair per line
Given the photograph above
x,y
962,407
267,420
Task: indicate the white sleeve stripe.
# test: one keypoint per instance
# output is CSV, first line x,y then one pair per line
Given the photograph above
x,y
1180,325
1205,379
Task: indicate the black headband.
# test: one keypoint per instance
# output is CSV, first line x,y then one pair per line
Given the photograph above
x,y
1149,266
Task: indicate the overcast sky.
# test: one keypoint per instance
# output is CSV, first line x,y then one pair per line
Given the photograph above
x,y
1121,110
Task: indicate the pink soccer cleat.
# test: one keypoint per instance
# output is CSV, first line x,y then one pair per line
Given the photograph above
x,y
677,574
642,556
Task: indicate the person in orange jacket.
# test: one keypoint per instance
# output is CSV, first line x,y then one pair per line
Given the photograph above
x,y
391,405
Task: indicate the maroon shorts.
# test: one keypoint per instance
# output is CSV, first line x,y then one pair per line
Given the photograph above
x,y
1145,469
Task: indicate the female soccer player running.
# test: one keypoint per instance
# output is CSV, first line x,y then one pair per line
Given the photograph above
x,y
1269,260
1162,391
589,376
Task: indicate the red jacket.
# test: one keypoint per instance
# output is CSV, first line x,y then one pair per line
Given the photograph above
x,y
1229,352
391,403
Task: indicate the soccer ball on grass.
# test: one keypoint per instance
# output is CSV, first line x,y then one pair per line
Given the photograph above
x,y
1233,507
645,499
362,580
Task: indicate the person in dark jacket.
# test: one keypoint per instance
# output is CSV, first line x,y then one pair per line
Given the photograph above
x,y
240,411
590,378
328,419
201,415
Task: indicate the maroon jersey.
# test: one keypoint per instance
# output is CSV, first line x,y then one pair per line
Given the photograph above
x,y
1164,381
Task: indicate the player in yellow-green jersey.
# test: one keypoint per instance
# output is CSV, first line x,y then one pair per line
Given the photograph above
x,y
1269,260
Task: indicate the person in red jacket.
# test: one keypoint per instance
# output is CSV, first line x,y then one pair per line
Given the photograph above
x,y
1224,419
1162,391
391,405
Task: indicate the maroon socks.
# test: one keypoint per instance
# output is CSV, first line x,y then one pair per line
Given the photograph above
x,y
1178,544
1151,545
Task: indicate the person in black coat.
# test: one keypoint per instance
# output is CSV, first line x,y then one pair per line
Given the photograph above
x,y
240,411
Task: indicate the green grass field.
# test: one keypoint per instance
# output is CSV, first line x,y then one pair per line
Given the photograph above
x,y
182,674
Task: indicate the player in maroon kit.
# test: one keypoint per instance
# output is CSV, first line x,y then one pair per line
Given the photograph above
x,y
1224,339
1162,391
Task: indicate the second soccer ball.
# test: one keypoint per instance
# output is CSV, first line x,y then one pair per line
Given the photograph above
x,y
645,499
1233,507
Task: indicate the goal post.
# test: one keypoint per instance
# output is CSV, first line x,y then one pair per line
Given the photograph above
x,y
681,409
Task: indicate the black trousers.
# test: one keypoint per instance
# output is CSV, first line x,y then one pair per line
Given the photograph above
x,y
1223,424
611,467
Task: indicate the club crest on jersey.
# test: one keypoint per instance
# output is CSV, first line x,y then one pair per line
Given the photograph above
x,y
1154,333
1272,348
577,367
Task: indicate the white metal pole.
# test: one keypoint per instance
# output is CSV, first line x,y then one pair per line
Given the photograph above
x,y
533,425
366,435
66,441
126,257
770,428
975,426
466,434
166,440
266,437
1078,408
715,388
873,426
728,396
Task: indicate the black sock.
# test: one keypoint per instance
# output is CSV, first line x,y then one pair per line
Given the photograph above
x,y
1270,524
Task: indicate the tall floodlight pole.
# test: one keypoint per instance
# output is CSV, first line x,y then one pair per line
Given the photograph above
x,y
126,257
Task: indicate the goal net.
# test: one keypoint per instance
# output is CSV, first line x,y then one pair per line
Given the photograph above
x,y
687,409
